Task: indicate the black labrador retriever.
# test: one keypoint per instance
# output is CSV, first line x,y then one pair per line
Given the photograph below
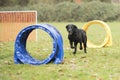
x,y
76,36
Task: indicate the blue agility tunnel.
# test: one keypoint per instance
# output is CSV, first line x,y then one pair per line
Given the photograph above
x,y
21,55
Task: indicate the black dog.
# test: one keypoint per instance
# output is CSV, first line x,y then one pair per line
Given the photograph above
x,y
76,36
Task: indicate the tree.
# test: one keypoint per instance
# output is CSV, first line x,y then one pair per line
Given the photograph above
x,y
23,2
115,1
97,0
109,1
7,3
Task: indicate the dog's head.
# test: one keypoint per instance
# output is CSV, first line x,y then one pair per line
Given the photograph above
x,y
71,28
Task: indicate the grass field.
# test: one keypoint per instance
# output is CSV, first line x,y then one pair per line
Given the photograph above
x,y
97,64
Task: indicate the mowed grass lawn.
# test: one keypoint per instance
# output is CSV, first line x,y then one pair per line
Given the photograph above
x,y
97,64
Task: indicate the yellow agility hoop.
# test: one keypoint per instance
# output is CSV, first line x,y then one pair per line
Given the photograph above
x,y
108,39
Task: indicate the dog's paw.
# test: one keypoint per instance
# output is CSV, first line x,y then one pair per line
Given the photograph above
x,y
74,52
81,48
85,52
72,47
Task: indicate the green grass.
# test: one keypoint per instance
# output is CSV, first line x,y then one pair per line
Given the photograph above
x,y
97,64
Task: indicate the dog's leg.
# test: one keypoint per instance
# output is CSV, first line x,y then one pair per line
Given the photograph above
x,y
75,44
85,45
71,44
81,46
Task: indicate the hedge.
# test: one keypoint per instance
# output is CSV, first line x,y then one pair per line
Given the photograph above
x,y
67,11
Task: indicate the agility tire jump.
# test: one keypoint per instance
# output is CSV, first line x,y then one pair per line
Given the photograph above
x,y
21,55
108,39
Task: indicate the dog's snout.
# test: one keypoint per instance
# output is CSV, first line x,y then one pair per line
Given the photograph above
x,y
70,31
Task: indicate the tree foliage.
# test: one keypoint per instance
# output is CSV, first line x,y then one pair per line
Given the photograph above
x,y
68,11
31,2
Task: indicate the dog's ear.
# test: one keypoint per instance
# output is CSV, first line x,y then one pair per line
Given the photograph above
x,y
67,27
75,26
